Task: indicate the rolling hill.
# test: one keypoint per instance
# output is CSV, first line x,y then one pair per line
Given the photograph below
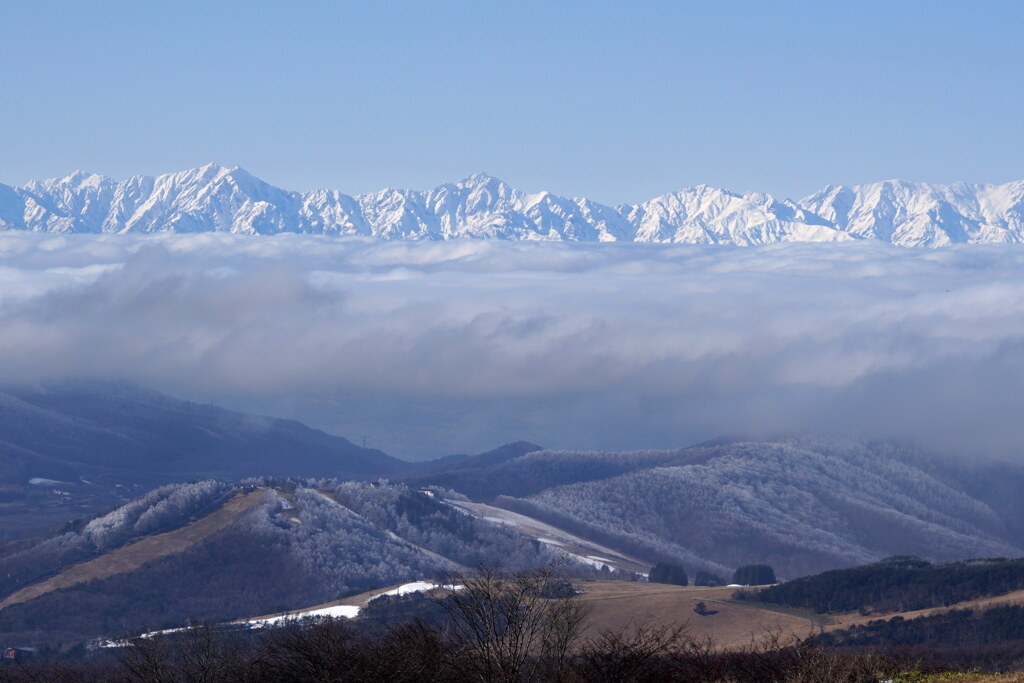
x,y
74,449
803,505
74,429
219,551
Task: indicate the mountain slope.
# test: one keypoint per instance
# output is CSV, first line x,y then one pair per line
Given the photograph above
x,y
707,215
922,215
213,198
803,505
66,431
217,551
131,557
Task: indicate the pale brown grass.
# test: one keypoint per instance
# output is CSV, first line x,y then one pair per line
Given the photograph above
x,y
137,553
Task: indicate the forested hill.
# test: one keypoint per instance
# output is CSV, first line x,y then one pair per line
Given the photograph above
x,y
896,584
802,505
216,551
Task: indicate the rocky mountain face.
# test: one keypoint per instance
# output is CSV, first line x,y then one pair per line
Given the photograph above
x,y
921,215
217,199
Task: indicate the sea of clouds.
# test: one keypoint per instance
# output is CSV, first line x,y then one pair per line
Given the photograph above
x,y
433,348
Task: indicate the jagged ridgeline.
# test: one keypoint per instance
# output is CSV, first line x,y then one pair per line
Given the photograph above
x,y
222,551
213,198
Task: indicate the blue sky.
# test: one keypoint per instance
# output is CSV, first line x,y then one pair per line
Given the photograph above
x,y
615,101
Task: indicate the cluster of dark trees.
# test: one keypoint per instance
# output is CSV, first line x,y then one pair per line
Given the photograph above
x,y
754,575
990,639
955,627
666,572
746,575
896,584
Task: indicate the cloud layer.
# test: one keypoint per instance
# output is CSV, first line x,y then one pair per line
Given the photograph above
x,y
430,348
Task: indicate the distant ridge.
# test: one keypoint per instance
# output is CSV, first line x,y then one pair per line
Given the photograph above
x,y
105,430
213,198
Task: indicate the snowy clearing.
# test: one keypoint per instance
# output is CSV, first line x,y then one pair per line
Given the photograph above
x,y
336,611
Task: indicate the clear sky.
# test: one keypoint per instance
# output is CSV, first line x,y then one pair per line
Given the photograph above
x,y
615,101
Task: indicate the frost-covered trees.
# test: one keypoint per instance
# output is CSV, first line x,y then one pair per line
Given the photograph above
x,y
802,505
429,523
165,506
295,544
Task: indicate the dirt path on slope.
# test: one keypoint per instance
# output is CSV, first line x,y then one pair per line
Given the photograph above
x,y
137,553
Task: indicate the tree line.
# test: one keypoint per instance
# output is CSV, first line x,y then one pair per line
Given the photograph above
x,y
896,584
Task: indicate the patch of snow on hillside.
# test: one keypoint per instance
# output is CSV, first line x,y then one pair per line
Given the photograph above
x,y
42,481
336,611
416,587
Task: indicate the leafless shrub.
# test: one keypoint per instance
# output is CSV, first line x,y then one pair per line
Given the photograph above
x,y
201,654
634,653
512,627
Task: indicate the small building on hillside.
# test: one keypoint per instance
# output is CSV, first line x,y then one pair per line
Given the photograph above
x,y
17,654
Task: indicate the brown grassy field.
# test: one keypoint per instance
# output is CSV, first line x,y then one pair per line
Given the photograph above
x,y
729,623
615,605
137,553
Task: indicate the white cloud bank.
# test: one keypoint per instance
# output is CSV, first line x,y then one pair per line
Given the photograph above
x,y
432,348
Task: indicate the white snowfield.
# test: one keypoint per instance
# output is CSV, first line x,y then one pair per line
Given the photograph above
x,y
344,611
336,611
213,198
150,634
416,587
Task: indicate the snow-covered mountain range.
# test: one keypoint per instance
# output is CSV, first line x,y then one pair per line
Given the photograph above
x,y
214,198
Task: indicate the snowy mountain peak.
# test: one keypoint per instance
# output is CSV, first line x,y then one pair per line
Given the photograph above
x,y
218,198
85,179
921,214
478,179
77,179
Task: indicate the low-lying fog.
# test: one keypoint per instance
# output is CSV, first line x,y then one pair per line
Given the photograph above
x,y
427,349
